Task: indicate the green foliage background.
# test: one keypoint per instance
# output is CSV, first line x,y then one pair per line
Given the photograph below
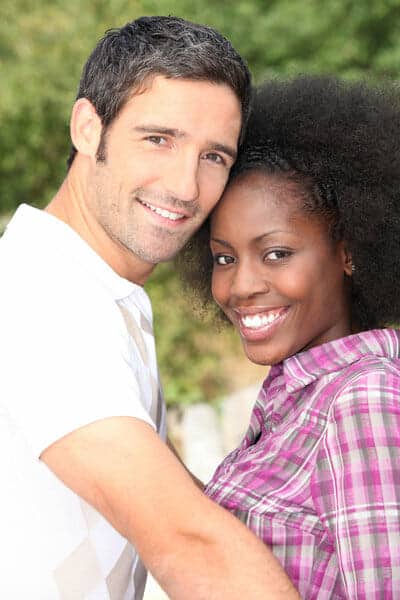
x,y
43,45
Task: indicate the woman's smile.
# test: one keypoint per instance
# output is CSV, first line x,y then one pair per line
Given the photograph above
x,y
278,275
257,323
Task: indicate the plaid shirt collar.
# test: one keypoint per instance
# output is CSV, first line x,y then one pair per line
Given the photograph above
x,y
306,367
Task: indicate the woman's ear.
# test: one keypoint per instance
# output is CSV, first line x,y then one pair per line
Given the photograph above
x,y
85,127
348,265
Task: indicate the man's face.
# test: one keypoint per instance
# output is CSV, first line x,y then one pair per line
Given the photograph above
x,y
163,166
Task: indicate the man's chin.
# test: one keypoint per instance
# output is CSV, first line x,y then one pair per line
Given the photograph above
x,y
156,257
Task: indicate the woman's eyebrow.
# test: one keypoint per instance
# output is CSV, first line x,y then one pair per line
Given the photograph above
x,y
261,237
221,242
258,239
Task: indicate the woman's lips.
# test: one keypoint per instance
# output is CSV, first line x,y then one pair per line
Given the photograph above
x,y
261,323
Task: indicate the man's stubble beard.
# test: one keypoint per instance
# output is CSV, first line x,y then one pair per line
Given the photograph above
x,y
126,233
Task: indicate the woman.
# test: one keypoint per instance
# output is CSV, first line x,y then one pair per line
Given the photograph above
x,y
305,263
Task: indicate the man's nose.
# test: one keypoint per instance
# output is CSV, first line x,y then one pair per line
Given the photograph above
x,y
182,178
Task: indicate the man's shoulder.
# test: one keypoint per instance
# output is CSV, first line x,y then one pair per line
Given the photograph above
x,y
42,255
43,287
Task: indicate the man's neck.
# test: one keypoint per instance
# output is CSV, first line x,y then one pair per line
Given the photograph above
x,y
67,205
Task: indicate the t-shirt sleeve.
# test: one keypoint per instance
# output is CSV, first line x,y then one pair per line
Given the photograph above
x,y
67,363
356,484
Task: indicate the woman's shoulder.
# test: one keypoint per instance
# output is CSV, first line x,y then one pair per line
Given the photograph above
x,y
372,383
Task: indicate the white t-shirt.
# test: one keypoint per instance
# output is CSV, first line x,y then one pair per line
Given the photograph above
x,y
76,346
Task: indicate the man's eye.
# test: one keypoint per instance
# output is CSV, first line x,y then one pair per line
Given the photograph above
x,y
215,158
223,259
158,140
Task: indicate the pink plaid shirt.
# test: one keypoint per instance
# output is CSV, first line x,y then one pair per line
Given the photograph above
x,y
317,476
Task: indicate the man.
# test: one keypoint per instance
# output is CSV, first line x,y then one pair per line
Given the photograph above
x,y
87,479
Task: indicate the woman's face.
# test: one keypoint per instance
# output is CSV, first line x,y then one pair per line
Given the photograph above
x,y
277,274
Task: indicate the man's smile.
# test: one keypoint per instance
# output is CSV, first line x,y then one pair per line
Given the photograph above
x,y
163,212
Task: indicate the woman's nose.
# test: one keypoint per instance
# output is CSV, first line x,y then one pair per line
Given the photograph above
x,y
248,281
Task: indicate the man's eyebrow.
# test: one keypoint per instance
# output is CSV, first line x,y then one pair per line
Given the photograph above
x,y
225,149
158,129
178,133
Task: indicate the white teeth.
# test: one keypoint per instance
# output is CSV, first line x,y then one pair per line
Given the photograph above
x,y
163,212
261,320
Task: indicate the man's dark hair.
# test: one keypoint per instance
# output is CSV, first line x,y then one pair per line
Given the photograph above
x,y
124,58
338,144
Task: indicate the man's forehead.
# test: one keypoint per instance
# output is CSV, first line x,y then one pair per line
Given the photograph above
x,y
160,82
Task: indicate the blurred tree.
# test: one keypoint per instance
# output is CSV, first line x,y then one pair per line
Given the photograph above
x,y
42,49
188,354
280,37
43,46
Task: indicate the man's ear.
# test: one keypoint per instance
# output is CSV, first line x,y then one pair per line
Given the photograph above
x,y
85,127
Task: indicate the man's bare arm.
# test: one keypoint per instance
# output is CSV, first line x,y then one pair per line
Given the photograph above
x,y
193,547
195,479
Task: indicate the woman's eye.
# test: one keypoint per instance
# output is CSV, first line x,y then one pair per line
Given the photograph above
x,y
223,259
275,255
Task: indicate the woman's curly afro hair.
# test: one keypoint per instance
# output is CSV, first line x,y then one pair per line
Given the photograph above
x,y
342,140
